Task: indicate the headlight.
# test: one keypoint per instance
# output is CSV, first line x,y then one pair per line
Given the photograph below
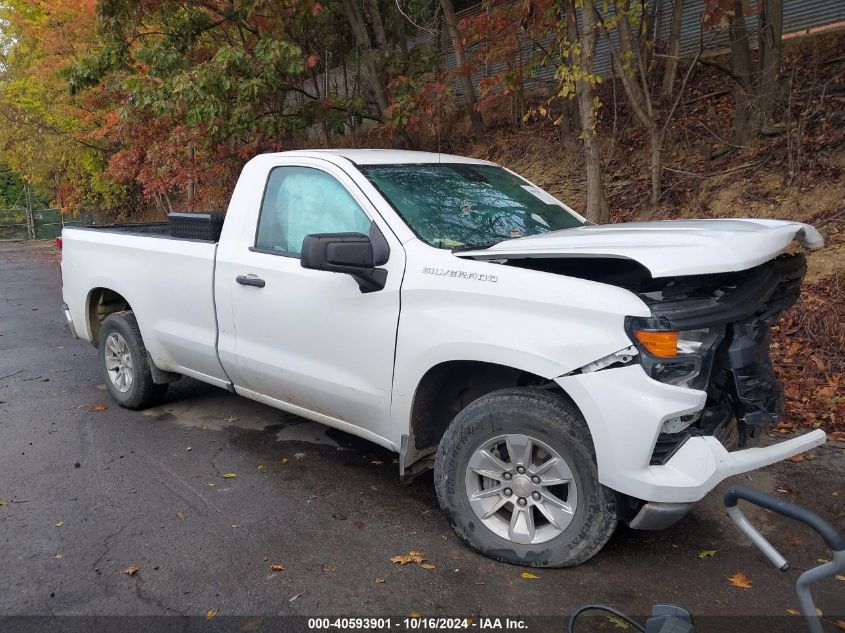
x,y
676,357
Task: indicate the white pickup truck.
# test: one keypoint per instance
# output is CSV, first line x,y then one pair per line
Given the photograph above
x,y
558,376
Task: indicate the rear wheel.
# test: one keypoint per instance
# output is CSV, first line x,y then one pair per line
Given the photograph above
x,y
516,475
125,364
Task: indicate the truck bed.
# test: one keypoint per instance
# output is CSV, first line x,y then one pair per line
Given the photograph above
x,y
199,227
167,281
150,229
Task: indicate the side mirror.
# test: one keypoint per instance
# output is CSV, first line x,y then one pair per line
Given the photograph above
x,y
348,253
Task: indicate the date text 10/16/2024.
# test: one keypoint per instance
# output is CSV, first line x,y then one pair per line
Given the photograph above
x,y
417,624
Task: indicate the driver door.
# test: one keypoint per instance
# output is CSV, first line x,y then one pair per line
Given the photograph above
x,y
304,340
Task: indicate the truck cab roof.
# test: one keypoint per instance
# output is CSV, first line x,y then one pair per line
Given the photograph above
x,y
384,156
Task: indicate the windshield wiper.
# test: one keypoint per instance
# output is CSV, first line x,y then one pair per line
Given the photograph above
x,y
477,247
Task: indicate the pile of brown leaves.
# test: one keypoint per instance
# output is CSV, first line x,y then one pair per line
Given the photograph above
x,y
808,352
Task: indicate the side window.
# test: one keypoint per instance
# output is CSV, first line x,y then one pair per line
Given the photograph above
x,y
299,201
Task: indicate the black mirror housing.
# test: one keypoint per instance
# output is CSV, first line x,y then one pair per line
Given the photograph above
x,y
347,253
337,252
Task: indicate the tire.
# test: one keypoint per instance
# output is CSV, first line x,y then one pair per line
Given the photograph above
x,y
554,426
120,342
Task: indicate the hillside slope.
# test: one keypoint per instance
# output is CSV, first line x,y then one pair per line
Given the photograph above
x,y
796,174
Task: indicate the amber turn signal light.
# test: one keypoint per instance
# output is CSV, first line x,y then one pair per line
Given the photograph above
x,y
662,344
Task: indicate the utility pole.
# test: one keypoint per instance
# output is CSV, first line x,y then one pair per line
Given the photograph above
x,y
326,83
192,188
30,220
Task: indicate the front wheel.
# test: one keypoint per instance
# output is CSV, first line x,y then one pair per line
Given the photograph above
x,y
125,364
516,475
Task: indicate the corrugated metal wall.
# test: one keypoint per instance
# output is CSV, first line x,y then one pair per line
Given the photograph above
x,y
798,16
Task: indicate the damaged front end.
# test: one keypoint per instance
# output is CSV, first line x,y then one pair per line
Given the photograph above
x,y
711,332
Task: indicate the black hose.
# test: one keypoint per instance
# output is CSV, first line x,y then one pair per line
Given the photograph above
x,y
601,607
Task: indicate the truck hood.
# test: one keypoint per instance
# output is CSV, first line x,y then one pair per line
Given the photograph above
x,y
666,248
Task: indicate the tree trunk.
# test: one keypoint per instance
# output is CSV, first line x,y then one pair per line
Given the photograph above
x,y
378,25
672,49
567,124
656,140
362,39
771,31
402,35
746,123
596,209
634,79
466,79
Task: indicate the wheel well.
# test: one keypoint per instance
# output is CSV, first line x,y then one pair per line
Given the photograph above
x,y
101,303
449,387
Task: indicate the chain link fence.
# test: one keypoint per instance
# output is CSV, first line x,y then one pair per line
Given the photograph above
x,y
34,224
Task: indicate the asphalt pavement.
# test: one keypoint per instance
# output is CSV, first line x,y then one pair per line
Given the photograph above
x,y
204,494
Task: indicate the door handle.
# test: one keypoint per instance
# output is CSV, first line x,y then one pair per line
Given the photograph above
x,y
250,280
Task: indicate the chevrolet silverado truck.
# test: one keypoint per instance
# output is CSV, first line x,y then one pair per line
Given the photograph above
x,y
559,377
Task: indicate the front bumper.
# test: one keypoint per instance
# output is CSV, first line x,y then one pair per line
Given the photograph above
x,y
625,410
69,318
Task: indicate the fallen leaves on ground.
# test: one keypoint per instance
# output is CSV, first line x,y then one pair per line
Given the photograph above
x,y
181,516
618,622
97,408
131,570
231,419
426,565
802,456
378,580
740,580
284,460
210,614
529,576
329,568
376,462
412,557
2,503
794,541
416,615
59,556
294,598
793,612
807,345
229,475
840,577
260,466
59,523
251,625
706,553
277,567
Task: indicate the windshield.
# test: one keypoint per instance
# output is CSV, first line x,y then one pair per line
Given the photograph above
x,y
455,205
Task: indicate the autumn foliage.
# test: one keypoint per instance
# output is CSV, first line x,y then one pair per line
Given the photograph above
x,y
112,103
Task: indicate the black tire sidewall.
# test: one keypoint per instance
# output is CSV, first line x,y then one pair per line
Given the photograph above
x,y
552,420
139,394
